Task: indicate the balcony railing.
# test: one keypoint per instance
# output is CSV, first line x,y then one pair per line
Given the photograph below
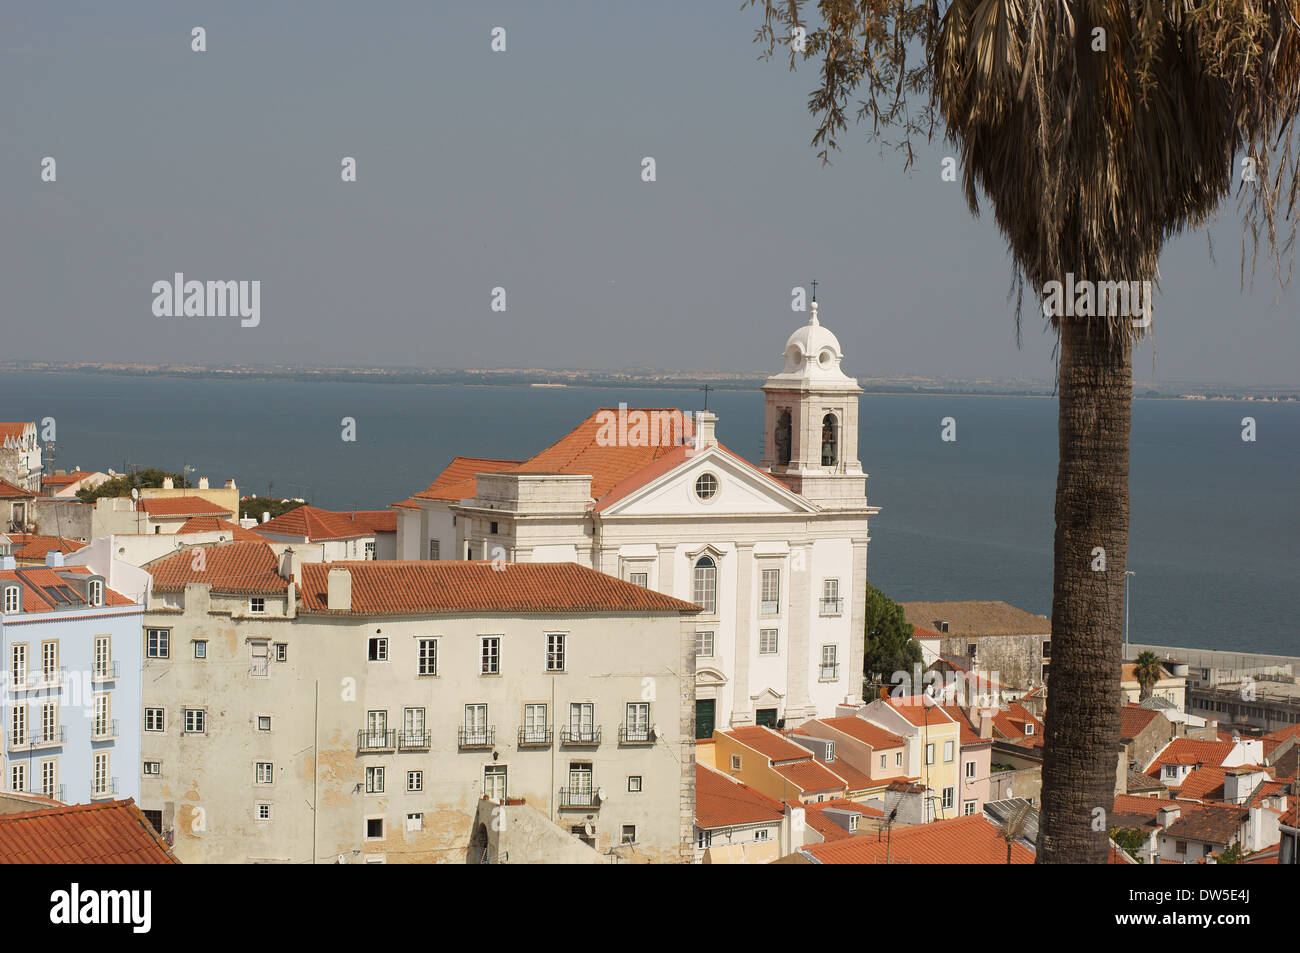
x,y
376,739
36,679
580,736
107,673
18,739
769,607
414,739
585,798
259,665
636,735
49,739
535,737
476,737
104,730
108,790
832,605
830,672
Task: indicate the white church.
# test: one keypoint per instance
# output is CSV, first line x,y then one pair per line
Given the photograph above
x,y
776,554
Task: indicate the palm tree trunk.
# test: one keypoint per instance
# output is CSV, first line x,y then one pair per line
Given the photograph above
x,y
1089,555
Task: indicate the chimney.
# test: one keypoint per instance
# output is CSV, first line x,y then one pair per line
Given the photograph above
x,y
986,726
266,516
168,483
7,562
705,421
203,483
338,594
1166,816
230,484
54,558
288,564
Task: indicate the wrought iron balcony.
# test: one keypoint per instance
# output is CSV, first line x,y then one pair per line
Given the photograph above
x,y
107,673
259,665
636,735
582,798
109,789
48,739
830,673
376,739
476,737
535,737
832,606
104,730
414,739
580,736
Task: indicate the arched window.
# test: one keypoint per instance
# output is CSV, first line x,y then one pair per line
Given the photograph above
x,y
830,441
782,438
705,584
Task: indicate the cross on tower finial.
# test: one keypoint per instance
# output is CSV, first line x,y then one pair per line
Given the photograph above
x,y
706,388
814,284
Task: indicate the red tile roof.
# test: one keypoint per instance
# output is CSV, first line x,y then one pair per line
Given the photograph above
x,y
108,832
971,839
36,580
1012,723
314,524
723,802
1132,719
1203,783
371,522
853,778
1191,751
1282,734
35,547
859,728
64,479
919,710
226,567
769,743
810,776
10,492
398,587
14,430
815,817
970,735
212,524
458,472
169,506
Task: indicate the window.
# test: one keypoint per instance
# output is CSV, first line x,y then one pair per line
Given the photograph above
x,y
634,784
882,761
263,722
535,730
641,579
490,655
103,655
970,770
898,759
948,751
103,720
264,772
95,592
968,807
770,595
704,644
476,730
428,657
1171,771
762,832
704,839
378,650
929,753
1029,728
375,780
49,661
414,781
158,643
196,721
18,672
18,777
706,487
494,782
259,659
830,669
200,648
152,768
582,721
705,584
735,762
1047,648
638,721
415,822
50,777
767,642
257,604
263,810
374,828
554,652
629,833
831,604
18,725
1180,847
434,549
154,719
282,651
949,796
50,722
492,527
99,782
370,549
830,440
13,599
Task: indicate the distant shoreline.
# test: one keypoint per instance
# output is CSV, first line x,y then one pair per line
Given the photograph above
x,y
632,380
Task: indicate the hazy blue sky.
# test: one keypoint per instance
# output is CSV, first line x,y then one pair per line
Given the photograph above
x,y
518,169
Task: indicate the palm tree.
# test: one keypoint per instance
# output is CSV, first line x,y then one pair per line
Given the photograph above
x,y
1147,670
1097,130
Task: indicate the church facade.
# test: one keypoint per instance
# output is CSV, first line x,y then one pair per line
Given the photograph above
x,y
775,553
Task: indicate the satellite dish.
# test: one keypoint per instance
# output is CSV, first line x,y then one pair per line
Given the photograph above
x,y
586,828
601,794
342,860
135,494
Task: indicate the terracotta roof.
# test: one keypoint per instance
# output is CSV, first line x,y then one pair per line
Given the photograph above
x,y
721,801
769,743
212,524
1282,734
970,735
1211,823
1203,783
1012,723
64,479
815,817
399,587
40,585
10,492
862,730
1190,751
460,471
14,430
35,547
971,839
371,522
855,779
312,523
810,776
1132,719
918,710
226,567
108,832
166,506
976,618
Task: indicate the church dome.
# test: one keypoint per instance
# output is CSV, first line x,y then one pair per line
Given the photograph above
x,y
813,351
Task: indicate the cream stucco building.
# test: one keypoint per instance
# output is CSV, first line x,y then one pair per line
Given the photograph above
x,y
775,554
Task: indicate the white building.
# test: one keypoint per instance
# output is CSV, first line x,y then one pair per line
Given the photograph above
x,y
776,554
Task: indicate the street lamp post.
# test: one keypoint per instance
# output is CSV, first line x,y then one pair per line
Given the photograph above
x,y
1127,573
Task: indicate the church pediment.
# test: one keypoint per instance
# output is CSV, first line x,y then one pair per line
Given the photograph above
x,y
709,676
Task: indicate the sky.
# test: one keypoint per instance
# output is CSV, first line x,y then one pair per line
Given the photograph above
x,y
519,170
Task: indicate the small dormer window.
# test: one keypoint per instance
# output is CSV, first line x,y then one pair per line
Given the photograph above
x,y
830,751
853,823
95,592
257,605
13,600
1029,727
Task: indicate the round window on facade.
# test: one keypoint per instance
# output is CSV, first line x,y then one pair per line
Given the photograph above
x,y
706,486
